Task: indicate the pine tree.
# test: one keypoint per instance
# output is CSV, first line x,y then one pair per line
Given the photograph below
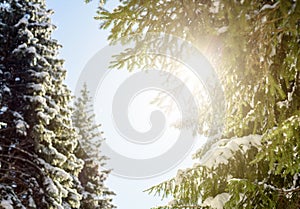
x,y
254,46
38,168
92,177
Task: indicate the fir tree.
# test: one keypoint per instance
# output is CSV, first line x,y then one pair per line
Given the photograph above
x,y
38,168
92,177
254,46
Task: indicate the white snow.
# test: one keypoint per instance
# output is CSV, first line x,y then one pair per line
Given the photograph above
x,y
215,8
5,6
11,147
268,6
31,50
74,198
290,98
41,74
6,89
21,127
273,52
62,175
50,187
20,124
52,111
6,204
224,149
38,99
63,191
17,115
217,202
19,48
28,33
3,109
90,185
55,186
23,20
295,179
3,125
282,104
58,158
37,87
267,186
24,48
264,19
31,202
222,29
46,118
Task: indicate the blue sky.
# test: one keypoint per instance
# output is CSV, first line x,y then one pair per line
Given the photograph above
x,y
81,38
79,34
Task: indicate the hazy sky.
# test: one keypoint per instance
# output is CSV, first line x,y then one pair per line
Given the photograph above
x,y
81,38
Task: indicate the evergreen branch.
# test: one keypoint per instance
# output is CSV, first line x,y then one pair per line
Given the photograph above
x,y
22,159
291,190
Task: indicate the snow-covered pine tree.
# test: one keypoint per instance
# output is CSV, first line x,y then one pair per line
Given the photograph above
x,y
254,47
38,167
92,177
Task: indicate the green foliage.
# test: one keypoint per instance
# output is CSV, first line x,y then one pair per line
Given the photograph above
x,y
254,47
281,148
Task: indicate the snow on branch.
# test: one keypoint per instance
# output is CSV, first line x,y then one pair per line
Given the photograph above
x,y
223,150
268,6
4,6
216,202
